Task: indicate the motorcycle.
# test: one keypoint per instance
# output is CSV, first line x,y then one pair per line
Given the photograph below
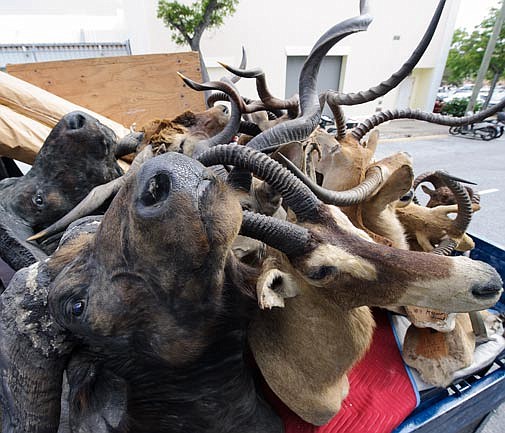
x,y
486,130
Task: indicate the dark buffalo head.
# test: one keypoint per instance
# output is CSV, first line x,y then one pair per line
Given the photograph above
x,y
155,270
78,155
158,296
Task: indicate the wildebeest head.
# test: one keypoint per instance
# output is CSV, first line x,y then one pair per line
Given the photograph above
x,y
155,270
78,155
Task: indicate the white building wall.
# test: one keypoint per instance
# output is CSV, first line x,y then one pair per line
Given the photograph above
x,y
269,30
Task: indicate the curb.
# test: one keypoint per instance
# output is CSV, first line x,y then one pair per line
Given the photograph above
x,y
419,137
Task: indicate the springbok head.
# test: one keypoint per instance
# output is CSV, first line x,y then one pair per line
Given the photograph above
x,y
337,270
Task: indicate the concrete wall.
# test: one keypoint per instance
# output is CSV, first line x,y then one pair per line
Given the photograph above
x,y
269,30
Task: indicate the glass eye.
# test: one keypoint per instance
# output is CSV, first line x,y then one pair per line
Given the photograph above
x,y
37,199
322,272
78,308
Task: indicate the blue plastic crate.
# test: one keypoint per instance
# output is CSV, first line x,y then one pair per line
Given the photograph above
x,y
462,406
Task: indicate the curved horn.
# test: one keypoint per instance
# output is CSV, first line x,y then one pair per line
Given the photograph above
x,y
233,125
463,201
338,113
243,63
128,144
395,79
249,128
431,176
269,101
289,238
295,194
428,176
358,194
300,128
239,179
96,197
14,249
445,247
363,128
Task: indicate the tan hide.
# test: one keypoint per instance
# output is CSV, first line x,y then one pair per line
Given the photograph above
x,y
427,226
305,349
20,136
437,355
30,113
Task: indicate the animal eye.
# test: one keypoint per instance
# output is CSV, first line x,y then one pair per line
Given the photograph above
x,y
78,308
38,200
322,272
408,196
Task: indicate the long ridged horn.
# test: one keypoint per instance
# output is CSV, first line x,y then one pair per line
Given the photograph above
x,y
338,113
295,194
233,125
431,176
289,238
358,194
270,102
395,79
243,63
463,201
96,197
239,179
367,125
445,247
300,128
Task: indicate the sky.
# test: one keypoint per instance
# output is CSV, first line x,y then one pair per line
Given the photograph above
x,y
472,12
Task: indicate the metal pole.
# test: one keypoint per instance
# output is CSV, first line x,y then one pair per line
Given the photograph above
x,y
487,58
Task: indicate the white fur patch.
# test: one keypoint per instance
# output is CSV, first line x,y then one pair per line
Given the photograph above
x,y
331,255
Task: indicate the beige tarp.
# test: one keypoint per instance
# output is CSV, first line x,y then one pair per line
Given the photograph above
x,y
27,114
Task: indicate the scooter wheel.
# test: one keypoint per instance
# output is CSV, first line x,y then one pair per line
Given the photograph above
x,y
488,133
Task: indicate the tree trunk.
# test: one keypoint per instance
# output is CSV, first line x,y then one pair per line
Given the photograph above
x,y
195,46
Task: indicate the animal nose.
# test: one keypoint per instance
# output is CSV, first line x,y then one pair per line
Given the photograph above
x,y
489,289
75,121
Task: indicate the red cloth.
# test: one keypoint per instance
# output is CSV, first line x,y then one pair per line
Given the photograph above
x,y
381,394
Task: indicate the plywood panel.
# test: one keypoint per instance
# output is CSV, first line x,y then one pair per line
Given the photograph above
x,y
127,89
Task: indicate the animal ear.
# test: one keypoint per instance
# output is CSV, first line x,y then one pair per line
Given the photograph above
x,y
273,287
372,141
14,249
128,144
398,184
427,190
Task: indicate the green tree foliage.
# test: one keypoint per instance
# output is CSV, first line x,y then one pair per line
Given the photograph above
x,y
457,107
189,22
467,51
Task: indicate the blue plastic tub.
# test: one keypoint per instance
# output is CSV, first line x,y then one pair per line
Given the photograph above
x,y
461,407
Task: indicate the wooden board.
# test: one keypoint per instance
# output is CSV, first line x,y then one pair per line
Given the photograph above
x,y
127,89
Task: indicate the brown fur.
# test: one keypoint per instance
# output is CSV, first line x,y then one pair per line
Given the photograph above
x,y
307,366
183,132
426,227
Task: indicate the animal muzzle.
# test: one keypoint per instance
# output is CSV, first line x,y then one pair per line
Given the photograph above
x,y
490,289
75,120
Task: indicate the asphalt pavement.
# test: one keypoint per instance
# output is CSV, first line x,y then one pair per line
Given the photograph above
x,y
482,162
